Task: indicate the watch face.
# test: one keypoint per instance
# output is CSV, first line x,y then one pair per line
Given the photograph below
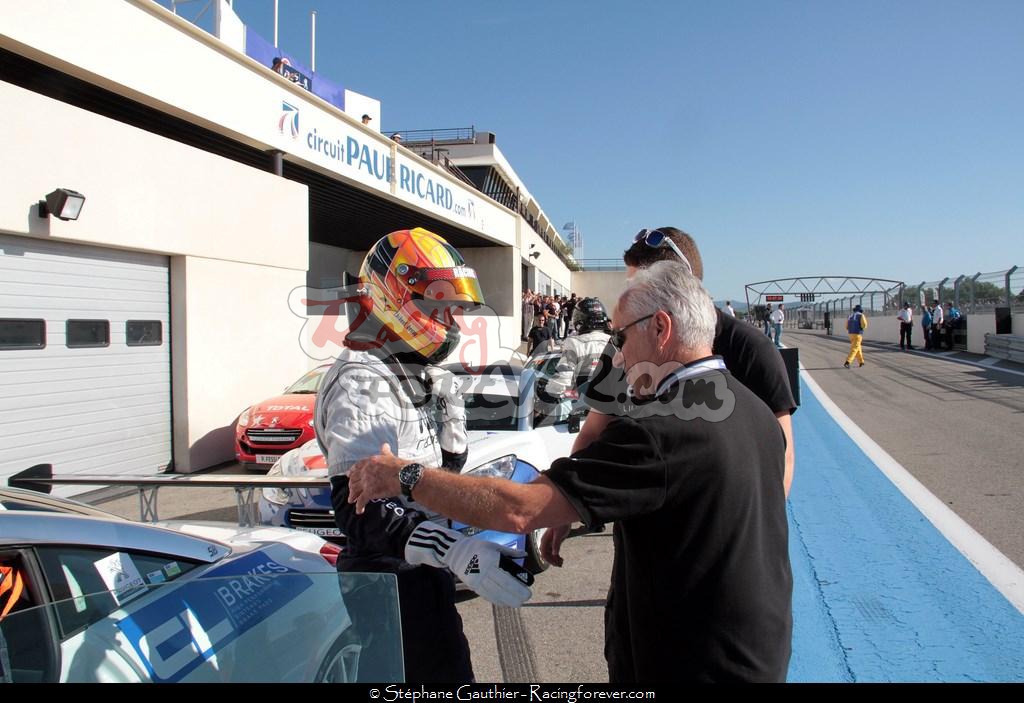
x,y
409,475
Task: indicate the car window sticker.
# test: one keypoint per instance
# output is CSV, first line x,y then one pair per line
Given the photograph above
x,y
172,569
121,576
156,576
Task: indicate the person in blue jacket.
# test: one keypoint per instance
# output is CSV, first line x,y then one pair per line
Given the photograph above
x,y
855,326
926,326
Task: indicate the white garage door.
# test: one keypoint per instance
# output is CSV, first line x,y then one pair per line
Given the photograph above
x,y
84,359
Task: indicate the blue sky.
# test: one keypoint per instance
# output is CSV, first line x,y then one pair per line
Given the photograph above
x,y
790,138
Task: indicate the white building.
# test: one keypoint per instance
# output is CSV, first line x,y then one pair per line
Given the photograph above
x,y
216,192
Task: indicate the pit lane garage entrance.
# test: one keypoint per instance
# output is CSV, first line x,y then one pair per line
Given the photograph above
x,y
85,375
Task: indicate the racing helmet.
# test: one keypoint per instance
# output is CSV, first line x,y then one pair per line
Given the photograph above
x,y
590,315
414,281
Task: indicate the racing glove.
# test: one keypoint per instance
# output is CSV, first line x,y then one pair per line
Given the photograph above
x,y
485,567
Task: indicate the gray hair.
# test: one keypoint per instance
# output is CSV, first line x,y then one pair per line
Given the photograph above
x,y
669,286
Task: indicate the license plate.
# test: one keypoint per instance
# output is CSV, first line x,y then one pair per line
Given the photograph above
x,y
267,458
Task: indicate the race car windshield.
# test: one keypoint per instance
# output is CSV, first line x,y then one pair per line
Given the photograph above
x,y
310,383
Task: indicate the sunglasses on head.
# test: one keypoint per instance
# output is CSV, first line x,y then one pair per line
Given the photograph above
x,y
656,239
618,336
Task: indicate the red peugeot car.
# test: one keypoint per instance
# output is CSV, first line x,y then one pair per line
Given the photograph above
x,y
267,430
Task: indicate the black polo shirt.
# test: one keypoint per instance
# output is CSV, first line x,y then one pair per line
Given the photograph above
x,y
701,582
748,354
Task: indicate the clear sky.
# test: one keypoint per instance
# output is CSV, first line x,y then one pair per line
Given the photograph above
x,y
790,138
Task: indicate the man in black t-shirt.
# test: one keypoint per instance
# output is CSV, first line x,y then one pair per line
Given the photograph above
x,y
540,334
692,478
749,355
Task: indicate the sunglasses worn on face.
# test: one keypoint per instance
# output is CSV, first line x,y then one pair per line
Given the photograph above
x,y
618,336
656,239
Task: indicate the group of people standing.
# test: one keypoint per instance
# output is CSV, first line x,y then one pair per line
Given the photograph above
x,y
547,317
773,320
937,325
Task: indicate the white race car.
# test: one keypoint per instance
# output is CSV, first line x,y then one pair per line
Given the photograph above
x,y
90,597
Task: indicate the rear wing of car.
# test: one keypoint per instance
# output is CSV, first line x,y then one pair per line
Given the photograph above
x,y
40,478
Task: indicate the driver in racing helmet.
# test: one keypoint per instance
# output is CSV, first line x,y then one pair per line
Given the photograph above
x,y
581,353
386,388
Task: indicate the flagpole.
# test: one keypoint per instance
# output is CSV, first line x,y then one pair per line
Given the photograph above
x,y
312,42
275,24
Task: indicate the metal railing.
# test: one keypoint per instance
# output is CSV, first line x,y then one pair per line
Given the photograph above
x,y
601,265
973,293
449,135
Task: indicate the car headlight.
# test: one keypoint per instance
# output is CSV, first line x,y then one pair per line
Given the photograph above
x,y
243,419
272,494
499,468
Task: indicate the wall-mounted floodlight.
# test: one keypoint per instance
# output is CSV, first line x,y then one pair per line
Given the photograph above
x,y
63,203
535,254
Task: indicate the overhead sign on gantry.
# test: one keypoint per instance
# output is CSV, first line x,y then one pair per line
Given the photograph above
x,y
807,288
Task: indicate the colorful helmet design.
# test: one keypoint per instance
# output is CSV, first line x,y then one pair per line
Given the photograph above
x,y
415,280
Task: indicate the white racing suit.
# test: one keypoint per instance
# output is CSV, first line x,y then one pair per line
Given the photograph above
x,y
581,355
363,403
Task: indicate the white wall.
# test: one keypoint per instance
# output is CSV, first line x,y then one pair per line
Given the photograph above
x,y
606,286
977,327
357,105
1017,322
143,191
880,329
235,343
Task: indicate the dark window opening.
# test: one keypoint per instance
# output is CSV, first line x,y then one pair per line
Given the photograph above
x,y
88,333
22,334
143,333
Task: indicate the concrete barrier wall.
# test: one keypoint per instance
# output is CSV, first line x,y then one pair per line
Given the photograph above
x,y
977,327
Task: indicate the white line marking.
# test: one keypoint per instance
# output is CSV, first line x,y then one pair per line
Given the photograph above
x,y
995,566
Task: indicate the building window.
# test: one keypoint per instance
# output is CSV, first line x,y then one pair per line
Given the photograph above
x,y
22,334
144,333
88,333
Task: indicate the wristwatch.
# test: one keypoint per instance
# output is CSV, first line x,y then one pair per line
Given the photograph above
x,y
409,475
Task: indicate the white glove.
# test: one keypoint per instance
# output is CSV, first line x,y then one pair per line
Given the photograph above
x,y
485,567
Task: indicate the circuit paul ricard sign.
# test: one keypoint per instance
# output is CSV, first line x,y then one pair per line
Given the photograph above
x,y
359,157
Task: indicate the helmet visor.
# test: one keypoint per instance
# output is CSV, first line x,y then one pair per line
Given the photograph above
x,y
439,285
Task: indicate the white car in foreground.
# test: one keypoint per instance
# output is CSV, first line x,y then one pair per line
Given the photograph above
x,y
89,597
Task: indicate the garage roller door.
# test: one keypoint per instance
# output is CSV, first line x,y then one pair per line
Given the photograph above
x,y
84,359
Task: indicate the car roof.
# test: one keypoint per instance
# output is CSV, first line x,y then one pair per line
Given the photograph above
x,y
19,527
23,499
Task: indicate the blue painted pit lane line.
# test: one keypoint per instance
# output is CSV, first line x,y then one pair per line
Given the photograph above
x,y
880,594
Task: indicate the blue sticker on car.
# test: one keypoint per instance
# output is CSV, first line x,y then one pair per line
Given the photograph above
x,y
192,621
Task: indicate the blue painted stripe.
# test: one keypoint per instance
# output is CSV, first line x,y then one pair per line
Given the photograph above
x,y
879,593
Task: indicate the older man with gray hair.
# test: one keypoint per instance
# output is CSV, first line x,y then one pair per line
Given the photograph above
x,y
692,478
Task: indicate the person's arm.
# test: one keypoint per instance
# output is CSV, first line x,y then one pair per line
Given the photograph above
x,y
786,423
565,372
590,430
487,503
